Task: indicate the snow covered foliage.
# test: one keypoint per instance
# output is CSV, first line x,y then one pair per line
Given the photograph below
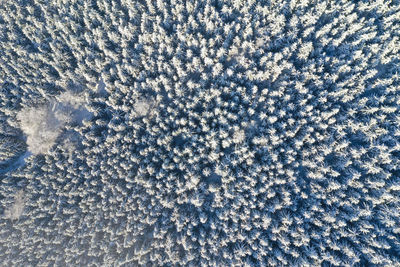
x,y
11,145
221,133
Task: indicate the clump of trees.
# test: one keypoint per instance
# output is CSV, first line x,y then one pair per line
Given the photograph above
x,y
221,133
12,145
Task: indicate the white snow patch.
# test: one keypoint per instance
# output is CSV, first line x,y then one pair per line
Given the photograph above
x,y
143,107
43,124
41,127
17,208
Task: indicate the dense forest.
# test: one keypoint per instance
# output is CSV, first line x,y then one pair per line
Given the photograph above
x,y
199,133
